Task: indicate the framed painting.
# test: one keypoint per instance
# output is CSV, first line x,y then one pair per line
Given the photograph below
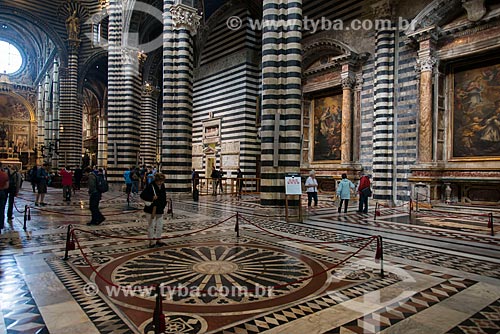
x,y
475,116
327,128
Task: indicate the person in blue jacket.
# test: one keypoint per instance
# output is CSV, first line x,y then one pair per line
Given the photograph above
x,y
344,192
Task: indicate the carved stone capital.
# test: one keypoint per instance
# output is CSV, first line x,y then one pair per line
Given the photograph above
x,y
475,9
384,9
348,82
130,56
185,17
425,64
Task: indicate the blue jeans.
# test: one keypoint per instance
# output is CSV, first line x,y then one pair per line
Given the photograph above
x,y
363,203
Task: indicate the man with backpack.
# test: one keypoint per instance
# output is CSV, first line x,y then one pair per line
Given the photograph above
x,y
13,190
95,183
4,186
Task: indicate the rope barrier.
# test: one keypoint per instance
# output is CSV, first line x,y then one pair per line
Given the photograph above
x,y
117,213
151,239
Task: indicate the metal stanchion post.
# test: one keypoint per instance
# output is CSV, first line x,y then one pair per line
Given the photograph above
x,y
490,224
25,216
380,250
237,225
68,241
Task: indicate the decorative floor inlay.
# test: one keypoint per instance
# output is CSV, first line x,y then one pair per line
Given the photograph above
x,y
312,282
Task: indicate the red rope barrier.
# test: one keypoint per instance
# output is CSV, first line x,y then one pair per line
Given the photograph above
x,y
151,239
86,215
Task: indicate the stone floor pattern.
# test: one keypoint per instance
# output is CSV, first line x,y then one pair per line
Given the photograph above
x,y
441,269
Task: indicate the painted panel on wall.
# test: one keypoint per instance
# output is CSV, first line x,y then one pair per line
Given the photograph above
x,y
327,120
476,111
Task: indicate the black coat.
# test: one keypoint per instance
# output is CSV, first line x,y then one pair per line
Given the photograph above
x,y
160,203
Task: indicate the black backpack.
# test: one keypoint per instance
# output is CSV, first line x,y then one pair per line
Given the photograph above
x,y
101,183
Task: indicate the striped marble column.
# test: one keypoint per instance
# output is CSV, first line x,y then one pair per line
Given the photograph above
x,y
180,24
55,115
40,123
71,117
281,98
149,124
102,141
383,134
124,96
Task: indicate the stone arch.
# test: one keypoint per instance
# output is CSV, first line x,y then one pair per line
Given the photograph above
x,y
313,50
89,62
24,102
434,14
21,14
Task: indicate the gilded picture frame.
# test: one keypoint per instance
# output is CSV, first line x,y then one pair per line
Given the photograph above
x,y
474,121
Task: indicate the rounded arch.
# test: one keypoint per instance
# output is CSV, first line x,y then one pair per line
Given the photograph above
x,y
222,13
87,66
434,14
23,15
314,49
23,101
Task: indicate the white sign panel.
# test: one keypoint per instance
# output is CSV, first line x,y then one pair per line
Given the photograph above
x,y
293,185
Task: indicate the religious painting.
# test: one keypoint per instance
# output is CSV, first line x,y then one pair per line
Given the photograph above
x,y
476,111
327,128
21,142
12,108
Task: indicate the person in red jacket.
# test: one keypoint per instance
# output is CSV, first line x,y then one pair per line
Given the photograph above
x,y
364,191
67,183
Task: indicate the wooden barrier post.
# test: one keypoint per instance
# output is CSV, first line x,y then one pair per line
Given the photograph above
x,y
68,243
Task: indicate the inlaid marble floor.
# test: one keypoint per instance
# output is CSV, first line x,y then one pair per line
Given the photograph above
x,y
441,274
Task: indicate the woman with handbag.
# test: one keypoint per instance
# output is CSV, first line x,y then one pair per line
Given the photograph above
x,y
344,192
156,200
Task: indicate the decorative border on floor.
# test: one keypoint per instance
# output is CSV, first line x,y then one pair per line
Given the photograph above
x,y
22,315
486,321
99,312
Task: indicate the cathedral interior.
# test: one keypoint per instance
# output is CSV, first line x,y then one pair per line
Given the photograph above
x,y
404,92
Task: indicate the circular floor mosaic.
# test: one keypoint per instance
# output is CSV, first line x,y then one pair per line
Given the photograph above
x,y
218,274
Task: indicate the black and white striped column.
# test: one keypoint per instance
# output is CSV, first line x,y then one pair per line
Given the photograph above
x,y
71,117
102,141
149,124
383,118
124,96
180,24
281,98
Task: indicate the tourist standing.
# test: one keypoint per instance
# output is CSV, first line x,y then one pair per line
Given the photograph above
x,y
4,186
94,198
239,182
219,180
43,178
312,189
13,190
155,193
78,177
214,176
33,179
364,190
67,183
344,192
127,176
